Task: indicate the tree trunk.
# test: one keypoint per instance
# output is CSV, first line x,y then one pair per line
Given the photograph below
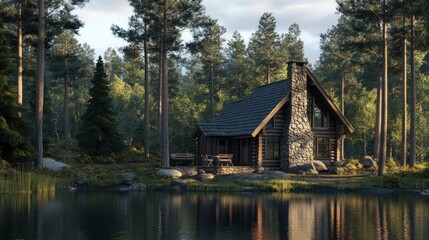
x,y
413,99
267,74
160,91
66,108
383,136
164,115
342,111
40,83
19,75
378,118
404,103
211,92
365,144
147,95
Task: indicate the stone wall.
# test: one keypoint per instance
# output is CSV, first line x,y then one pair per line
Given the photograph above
x,y
297,145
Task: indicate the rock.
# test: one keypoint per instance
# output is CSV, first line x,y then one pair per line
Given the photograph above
x,y
259,169
168,172
312,171
81,179
179,182
276,175
187,171
319,166
201,171
127,178
205,176
138,187
51,164
303,169
368,162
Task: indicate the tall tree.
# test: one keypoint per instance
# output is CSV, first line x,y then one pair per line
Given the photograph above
x,y
14,147
263,46
208,42
169,19
40,83
98,134
293,43
236,66
138,33
413,93
64,54
384,99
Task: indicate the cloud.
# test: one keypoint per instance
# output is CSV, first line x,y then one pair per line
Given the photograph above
x,y
313,17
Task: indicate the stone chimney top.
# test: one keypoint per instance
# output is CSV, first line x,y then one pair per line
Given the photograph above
x,y
298,62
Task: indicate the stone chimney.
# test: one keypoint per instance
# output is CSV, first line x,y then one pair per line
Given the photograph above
x,y
297,143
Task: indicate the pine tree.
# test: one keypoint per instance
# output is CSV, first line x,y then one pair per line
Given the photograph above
x,y
236,66
208,42
14,147
98,134
263,46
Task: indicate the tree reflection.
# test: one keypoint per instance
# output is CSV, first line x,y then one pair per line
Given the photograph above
x,y
110,215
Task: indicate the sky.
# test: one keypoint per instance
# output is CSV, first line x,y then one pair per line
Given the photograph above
x,y
313,16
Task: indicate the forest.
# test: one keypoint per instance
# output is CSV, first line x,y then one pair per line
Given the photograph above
x,y
144,100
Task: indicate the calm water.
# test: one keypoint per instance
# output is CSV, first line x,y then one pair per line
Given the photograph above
x,y
111,215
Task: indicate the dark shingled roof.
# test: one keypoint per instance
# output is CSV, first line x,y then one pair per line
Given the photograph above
x,y
242,118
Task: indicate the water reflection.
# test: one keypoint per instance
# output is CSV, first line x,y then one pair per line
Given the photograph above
x,y
108,215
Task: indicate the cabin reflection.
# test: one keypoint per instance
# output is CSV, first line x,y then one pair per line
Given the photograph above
x,y
214,216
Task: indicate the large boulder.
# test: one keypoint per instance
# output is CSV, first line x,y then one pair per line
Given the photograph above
x,y
51,164
205,176
187,171
303,169
368,162
319,166
127,178
168,172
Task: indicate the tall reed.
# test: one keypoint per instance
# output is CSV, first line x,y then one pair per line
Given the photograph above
x,y
28,182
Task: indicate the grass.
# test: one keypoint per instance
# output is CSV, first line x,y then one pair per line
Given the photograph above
x,y
106,175
30,182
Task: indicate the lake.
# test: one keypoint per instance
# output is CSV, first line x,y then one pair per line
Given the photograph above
x,y
154,215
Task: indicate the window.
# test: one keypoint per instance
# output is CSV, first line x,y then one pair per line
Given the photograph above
x,y
321,147
320,118
310,110
317,117
272,147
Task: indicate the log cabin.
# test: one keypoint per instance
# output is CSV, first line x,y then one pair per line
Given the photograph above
x,y
284,124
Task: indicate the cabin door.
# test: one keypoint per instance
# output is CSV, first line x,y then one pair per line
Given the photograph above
x,y
244,151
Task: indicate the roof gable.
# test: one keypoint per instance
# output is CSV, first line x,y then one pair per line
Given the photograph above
x,y
243,118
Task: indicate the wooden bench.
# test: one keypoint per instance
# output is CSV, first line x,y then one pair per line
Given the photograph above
x,y
225,158
182,158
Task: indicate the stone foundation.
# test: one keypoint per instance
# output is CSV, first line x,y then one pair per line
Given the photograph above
x,y
228,170
297,145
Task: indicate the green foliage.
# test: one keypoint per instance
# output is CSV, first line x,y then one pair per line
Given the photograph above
x,y
98,134
14,146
